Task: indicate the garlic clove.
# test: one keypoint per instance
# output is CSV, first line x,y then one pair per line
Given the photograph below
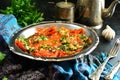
x,y
108,33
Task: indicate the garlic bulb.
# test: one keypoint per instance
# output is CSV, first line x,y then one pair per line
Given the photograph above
x,y
108,33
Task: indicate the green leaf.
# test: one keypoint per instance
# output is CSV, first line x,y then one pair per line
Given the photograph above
x,y
4,78
2,56
25,12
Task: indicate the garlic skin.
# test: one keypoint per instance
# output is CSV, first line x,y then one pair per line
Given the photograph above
x,y
108,33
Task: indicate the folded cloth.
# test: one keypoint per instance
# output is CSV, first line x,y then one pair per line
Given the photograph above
x,y
78,69
8,25
81,69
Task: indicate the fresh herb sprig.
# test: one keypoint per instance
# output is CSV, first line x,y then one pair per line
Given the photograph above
x,y
25,12
4,78
2,56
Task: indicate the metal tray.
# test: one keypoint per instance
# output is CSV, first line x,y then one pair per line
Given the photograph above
x,y
30,30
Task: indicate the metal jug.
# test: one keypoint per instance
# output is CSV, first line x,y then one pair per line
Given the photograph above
x,y
92,12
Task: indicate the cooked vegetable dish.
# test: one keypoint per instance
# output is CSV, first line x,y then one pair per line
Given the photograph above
x,y
53,42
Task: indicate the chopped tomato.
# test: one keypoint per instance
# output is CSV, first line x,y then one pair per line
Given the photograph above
x,y
20,45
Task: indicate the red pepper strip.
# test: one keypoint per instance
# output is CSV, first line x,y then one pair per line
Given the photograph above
x,y
20,45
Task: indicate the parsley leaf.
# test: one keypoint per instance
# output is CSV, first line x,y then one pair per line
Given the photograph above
x,y
4,78
2,56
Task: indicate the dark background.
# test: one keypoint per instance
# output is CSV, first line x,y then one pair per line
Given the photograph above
x,y
48,6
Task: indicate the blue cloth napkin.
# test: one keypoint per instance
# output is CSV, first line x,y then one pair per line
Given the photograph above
x,y
8,25
78,69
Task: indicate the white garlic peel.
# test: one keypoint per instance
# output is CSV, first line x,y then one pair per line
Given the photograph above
x,y
108,33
